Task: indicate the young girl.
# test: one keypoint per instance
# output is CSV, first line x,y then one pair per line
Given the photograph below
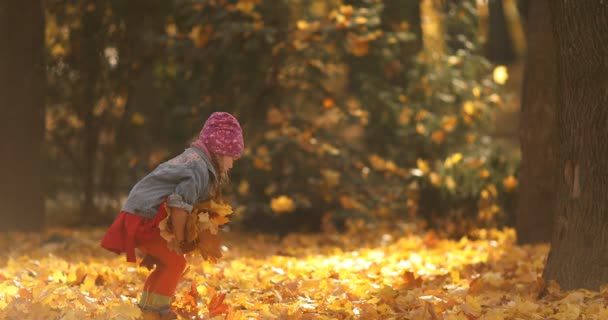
x,y
178,184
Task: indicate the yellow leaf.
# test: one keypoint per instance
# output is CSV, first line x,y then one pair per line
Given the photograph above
x,y
485,173
246,6
171,29
421,115
500,74
449,123
200,35
219,220
450,183
125,311
331,177
476,92
346,10
360,20
137,119
435,179
282,204
243,188
58,51
420,129
302,25
472,307
452,160
469,108
471,138
405,116
423,165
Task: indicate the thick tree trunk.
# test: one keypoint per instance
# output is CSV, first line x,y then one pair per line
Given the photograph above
x,y
579,252
22,79
499,47
538,130
89,60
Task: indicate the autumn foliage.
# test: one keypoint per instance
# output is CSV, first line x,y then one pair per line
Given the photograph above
x,y
350,109
379,272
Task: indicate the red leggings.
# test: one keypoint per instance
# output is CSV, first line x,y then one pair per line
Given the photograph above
x,y
165,277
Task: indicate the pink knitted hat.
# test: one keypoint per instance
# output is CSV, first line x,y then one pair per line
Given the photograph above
x,y
222,135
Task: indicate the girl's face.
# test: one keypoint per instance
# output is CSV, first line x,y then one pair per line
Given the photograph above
x,y
225,163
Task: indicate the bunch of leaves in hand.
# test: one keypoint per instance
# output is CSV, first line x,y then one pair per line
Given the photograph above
x,y
201,230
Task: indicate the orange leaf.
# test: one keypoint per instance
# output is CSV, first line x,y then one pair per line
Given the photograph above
x,y
219,220
476,285
235,315
410,281
216,305
431,240
209,246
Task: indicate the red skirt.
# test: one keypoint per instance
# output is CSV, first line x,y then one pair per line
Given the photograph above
x,y
129,230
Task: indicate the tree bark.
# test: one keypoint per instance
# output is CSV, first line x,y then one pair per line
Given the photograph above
x,y
499,47
537,132
579,251
89,64
22,83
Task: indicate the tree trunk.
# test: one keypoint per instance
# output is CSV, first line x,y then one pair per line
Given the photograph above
x,y
579,252
537,133
89,61
499,47
22,83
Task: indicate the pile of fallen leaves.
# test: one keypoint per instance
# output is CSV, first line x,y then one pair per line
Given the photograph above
x,y
367,273
202,228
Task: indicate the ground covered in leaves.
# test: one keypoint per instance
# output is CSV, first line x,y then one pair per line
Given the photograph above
x,y
392,272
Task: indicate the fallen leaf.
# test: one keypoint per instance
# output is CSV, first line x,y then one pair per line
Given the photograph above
x,y
216,305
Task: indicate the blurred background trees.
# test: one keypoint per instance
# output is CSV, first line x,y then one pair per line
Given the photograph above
x,y
22,96
359,109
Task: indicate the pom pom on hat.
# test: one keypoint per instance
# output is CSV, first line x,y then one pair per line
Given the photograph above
x,y
222,135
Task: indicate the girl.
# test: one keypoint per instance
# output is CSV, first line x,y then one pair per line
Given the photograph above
x,y
193,176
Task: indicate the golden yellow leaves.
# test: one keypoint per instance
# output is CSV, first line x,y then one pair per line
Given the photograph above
x,y
211,215
303,25
243,188
331,177
201,35
282,204
137,119
388,167
405,277
500,74
448,123
58,51
453,159
201,231
342,16
247,6
358,46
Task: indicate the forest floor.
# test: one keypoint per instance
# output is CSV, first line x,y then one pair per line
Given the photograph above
x,y
394,272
